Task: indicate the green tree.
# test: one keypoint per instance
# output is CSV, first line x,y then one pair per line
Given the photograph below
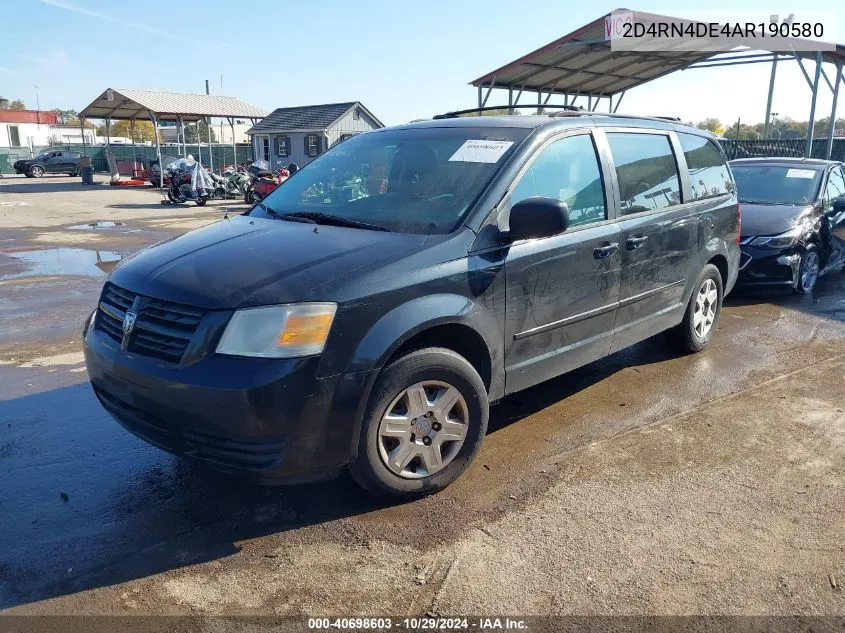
x,y
711,124
201,129
143,132
16,104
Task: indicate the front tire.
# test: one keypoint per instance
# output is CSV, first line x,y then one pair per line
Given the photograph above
x,y
424,424
36,171
808,272
702,314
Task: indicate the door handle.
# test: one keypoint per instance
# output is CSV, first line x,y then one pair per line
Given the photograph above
x,y
633,243
606,250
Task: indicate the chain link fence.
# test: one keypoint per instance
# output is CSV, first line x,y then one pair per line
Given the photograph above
x,y
788,147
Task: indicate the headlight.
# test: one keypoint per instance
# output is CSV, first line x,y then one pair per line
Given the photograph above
x,y
784,240
284,331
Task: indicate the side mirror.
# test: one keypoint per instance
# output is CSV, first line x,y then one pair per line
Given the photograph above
x,y
839,205
538,217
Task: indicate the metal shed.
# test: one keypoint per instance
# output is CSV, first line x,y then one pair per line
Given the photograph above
x,y
583,64
156,105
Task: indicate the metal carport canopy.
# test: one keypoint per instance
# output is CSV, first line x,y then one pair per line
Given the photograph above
x,y
583,64
156,105
122,103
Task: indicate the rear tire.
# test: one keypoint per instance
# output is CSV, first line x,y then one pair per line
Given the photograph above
x,y
702,314
441,371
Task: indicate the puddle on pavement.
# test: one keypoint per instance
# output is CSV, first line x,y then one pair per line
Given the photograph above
x,y
99,224
64,261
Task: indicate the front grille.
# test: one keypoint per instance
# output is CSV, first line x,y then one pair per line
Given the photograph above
x,y
162,329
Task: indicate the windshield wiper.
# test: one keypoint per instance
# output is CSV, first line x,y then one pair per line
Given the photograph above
x,y
770,202
318,217
285,216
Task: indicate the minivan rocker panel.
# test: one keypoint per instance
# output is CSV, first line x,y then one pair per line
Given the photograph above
x,y
428,304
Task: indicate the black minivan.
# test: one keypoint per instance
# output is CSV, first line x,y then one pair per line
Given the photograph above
x,y
369,310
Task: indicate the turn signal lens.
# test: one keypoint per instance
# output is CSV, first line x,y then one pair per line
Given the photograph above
x,y
303,329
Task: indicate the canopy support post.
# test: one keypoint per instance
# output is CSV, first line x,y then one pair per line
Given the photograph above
x,y
618,101
180,135
158,152
510,100
231,121
808,150
82,132
134,152
199,143
831,127
769,100
108,131
487,96
210,154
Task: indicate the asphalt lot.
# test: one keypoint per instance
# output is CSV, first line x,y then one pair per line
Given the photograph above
x,y
645,483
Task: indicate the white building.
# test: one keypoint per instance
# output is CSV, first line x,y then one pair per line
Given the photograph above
x,y
25,128
72,134
222,131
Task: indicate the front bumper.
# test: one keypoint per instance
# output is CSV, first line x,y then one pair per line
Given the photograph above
x,y
762,268
272,421
20,168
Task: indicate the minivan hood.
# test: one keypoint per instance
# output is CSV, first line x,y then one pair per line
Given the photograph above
x,y
245,261
770,219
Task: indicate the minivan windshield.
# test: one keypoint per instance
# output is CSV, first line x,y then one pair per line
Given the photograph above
x,y
413,180
776,184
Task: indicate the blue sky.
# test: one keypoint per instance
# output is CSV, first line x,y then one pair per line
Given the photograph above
x,y
402,59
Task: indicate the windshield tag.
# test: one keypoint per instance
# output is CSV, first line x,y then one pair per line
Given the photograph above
x,y
801,173
479,151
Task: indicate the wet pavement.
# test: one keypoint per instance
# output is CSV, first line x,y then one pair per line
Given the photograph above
x,y
61,261
94,520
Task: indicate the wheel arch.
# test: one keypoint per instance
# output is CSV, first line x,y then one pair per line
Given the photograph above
x,y
450,321
721,263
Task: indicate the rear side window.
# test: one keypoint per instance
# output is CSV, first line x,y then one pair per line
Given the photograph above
x,y
646,171
567,170
708,173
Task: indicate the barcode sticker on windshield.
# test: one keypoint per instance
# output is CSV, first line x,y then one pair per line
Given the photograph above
x,y
801,173
476,151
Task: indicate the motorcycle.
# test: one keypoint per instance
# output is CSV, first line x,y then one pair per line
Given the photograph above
x,y
262,182
235,183
188,181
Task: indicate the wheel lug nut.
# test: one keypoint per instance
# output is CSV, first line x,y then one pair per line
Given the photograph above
x,y
436,426
427,441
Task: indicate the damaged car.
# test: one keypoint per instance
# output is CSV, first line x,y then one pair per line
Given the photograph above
x,y
793,221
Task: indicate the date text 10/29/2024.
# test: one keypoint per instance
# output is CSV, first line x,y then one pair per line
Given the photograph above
x,y
418,624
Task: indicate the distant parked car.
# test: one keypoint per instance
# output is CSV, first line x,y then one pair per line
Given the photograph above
x,y
49,162
793,221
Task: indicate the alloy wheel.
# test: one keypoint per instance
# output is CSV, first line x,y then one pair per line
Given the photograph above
x,y
423,429
810,271
706,303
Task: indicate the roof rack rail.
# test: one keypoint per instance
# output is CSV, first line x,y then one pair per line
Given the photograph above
x,y
457,113
617,116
